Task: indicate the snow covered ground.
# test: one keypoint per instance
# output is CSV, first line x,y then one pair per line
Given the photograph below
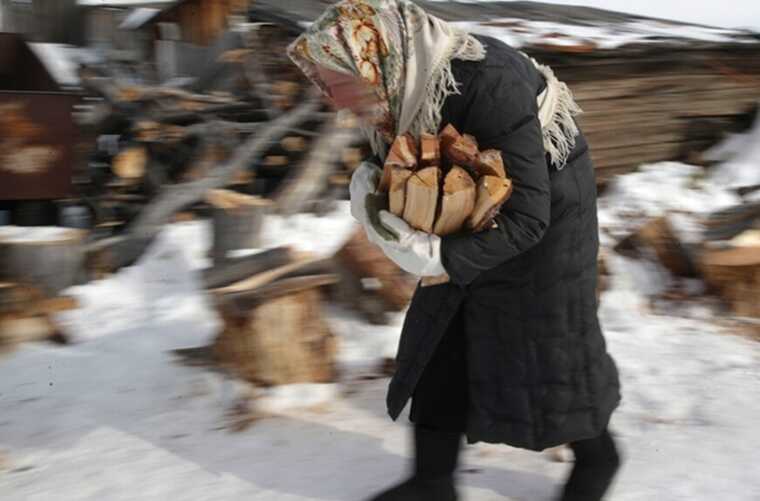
x,y
115,417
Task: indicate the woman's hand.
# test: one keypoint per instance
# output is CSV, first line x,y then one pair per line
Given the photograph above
x,y
363,182
416,252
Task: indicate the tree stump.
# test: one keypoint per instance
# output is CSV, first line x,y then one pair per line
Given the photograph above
x,y
237,221
49,258
735,274
281,340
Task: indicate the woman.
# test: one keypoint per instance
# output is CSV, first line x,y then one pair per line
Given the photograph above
x,y
510,349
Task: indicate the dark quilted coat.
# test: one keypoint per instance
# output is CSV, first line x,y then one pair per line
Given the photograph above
x,y
538,371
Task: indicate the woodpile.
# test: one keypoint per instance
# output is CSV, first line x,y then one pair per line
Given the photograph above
x,y
649,104
253,125
445,184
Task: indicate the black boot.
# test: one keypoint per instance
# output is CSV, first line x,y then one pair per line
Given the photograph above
x,y
596,463
436,454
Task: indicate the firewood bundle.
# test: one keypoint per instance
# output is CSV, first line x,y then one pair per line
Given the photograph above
x,y
444,184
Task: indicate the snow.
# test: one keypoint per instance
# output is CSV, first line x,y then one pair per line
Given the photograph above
x,y
740,157
138,17
19,234
522,32
61,60
116,417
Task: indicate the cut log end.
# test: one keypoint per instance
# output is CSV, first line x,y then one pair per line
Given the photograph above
x,y
493,192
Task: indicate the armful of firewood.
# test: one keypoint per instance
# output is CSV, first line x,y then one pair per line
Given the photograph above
x,y
522,221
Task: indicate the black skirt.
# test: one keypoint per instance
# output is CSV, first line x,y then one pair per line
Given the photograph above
x,y
440,399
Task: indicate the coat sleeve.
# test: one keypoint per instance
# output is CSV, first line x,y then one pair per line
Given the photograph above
x,y
504,116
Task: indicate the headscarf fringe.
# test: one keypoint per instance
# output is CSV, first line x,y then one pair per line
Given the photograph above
x,y
557,109
463,46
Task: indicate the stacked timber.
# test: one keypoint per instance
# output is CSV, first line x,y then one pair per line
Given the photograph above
x,y
649,104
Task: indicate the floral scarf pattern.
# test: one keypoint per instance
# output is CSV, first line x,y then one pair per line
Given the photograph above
x,y
401,51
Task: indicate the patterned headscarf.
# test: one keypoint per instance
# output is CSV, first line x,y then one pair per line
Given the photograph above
x,y
402,52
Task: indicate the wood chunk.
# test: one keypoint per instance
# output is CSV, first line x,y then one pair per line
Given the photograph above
x,y
448,136
422,198
397,191
457,203
734,273
490,163
430,152
463,151
372,284
403,153
130,163
493,191
282,340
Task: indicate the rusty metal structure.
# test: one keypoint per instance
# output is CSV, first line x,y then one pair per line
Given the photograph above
x,y
37,131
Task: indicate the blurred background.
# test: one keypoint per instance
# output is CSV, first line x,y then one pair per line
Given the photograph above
x,y
189,312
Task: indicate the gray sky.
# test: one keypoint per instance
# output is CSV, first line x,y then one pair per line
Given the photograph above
x,y
730,13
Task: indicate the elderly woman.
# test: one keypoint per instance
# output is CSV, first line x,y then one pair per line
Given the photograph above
x,y
509,350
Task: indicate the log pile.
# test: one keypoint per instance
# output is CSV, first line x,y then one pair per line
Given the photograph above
x,y
253,125
444,185
644,104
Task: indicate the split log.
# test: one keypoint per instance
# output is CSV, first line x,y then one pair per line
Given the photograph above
x,y
490,163
237,221
448,136
430,152
403,153
422,198
283,340
463,151
492,193
457,203
397,189
236,269
49,258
